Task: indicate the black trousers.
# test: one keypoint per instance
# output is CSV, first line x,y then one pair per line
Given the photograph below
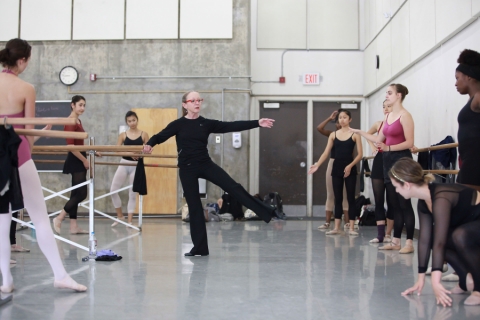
x,y
350,183
210,171
77,195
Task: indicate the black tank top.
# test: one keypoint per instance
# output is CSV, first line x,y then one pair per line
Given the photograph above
x,y
468,134
130,142
344,148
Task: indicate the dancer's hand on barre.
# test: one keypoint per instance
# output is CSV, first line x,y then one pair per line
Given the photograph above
x,y
417,287
86,164
47,127
98,154
266,123
147,149
414,150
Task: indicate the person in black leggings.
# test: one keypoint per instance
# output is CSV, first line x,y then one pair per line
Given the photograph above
x,y
344,171
378,186
191,132
449,217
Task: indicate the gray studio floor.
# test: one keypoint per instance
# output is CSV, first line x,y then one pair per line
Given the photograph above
x,y
281,270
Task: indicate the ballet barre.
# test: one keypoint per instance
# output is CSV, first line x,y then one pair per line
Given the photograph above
x,y
113,154
52,133
39,121
88,148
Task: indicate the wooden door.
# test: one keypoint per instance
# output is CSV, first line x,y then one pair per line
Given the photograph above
x,y
161,182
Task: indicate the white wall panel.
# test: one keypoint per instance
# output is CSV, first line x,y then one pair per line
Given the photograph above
x,y
98,19
396,4
206,19
9,11
281,24
384,50
422,27
369,67
46,20
381,7
152,19
324,16
401,39
475,7
370,21
450,15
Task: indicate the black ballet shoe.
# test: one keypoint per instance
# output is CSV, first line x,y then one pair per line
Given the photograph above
x,y
189,254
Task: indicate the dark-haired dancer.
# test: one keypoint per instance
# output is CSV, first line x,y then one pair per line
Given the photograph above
x,y
77,165
17,100
330,202
132,137
449,217
395,140
191,133
344,171
468,82
378,186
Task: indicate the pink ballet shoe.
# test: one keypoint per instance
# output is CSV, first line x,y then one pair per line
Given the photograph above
x,y
69,283
473,299
56,226
5,289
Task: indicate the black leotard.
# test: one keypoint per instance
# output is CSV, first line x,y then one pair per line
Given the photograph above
x,y
343,156
130,142
468,137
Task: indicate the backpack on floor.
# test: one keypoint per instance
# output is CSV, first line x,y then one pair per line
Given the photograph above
x,y
360,202
232,206
368,216
273,199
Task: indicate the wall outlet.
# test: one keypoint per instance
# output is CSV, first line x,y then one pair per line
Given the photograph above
x,y
218,139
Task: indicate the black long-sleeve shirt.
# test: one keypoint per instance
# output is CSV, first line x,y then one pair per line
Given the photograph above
x,y
191,136
452,206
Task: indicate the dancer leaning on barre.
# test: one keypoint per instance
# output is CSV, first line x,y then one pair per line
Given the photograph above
x,y
468,82
77,165
378,186
449,216
344,170
395,140
133,136
329,204
191,132
17,100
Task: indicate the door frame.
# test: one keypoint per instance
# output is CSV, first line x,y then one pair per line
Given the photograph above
x,y
254,136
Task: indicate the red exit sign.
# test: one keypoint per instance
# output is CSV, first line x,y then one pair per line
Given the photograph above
x,y
311,79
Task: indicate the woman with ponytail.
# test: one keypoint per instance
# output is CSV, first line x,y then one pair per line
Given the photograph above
x,y
17,100
449,217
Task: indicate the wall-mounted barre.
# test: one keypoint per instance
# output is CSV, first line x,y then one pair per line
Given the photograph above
x,y
52,133
39,121
89,148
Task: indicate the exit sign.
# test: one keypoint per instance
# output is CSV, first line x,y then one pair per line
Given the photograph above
x,y
311,79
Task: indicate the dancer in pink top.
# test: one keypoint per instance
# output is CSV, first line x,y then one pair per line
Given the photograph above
x,y
395,140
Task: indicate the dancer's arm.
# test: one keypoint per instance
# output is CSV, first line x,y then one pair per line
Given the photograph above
x,y
216,126
323,124
372,131
358,142
324,155
30,96
170,130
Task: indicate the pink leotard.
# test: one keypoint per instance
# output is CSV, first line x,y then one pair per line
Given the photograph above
x,y
393,132
23,153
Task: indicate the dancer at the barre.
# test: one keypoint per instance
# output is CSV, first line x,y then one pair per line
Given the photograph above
x,y
191,132
77,165
344,170
133,136
395,140
378,186
17,100
468,82
449,216
329,204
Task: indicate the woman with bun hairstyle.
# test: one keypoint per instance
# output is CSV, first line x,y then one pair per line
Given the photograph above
x,y
395,140
449,216
467,77
17,100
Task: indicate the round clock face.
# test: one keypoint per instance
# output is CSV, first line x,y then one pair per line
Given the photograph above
x,y
68,75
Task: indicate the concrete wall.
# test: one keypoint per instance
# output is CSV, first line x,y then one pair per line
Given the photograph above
x,y
109,100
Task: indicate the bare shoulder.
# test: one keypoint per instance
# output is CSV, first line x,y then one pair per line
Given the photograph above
x,y
475,105
406,116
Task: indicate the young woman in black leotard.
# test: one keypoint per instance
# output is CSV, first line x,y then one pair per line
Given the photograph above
x,y
132,137
378,186
344,171
449,217
468,82
191,133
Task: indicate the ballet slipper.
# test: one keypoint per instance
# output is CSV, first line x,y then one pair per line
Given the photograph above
x,y
387,239
324,226
5,289
407,249
19,248
352,233
13,261
457,290
473,299
374,240
69,283
56,226
78,231
333,232
115,223
390,246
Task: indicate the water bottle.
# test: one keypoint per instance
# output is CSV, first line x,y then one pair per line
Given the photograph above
x,y
92,246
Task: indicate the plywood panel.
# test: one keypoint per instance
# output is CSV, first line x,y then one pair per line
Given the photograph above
x,y
384,50
339,15
46,20
152,19
98,19
475,7
206,19
281,24
422,27
450,15
161,182
9,11
370,71
401,39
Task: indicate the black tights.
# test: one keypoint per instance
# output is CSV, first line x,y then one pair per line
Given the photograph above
x,y
350,183
77,195
378,186
402,213
13,228
463,253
